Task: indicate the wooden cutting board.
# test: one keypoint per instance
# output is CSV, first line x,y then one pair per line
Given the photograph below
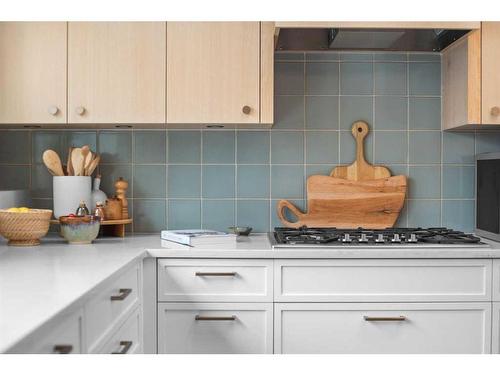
x,y
360,170
342,203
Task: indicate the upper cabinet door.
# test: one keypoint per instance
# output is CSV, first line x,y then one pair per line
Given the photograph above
x,y
32,72
116,72
490,73
213,72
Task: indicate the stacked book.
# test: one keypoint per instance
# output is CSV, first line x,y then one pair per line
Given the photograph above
x,y
197,237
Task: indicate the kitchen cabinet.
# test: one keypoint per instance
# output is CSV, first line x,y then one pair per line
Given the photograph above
x,y
495,330
470,80
116,72
33,72
220,72
381,328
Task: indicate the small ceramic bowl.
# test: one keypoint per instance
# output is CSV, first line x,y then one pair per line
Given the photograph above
x,y
241,231
79,229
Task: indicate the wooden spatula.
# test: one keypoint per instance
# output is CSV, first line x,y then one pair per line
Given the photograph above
x,y
53,162
77,161
93,165
69,164
360,170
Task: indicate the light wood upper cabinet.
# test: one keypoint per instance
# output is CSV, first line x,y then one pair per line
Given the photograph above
x,y
116,72
471,79
32,72
214,72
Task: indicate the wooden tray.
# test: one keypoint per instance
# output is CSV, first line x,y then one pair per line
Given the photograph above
x,y
114,228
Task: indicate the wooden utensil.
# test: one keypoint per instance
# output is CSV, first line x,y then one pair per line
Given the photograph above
x,y
93,165
69,164
360,170
53,162
77,161
88,160
342,203
85,153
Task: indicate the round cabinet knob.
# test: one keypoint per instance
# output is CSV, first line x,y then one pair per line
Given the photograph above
x,y
495,111
80,110
246,109
53,110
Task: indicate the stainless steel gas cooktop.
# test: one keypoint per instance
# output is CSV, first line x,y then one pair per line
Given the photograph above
x,y
306,237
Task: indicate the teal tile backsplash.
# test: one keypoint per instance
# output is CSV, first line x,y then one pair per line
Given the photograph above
x,y
216,178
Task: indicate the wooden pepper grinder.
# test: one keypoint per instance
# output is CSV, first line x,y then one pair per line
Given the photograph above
x,y
121,186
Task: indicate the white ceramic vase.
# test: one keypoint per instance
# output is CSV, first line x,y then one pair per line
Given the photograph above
x,y
68,192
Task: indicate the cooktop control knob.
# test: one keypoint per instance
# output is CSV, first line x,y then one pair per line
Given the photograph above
x,y
346,238
363,238
396,238
380,238
412,238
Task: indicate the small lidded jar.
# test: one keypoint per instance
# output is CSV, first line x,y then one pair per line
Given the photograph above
x,y
99,211
82,210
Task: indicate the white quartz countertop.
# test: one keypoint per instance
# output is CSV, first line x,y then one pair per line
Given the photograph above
x,y
37,283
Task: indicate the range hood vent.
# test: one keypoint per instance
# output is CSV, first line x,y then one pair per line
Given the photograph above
x,y
418,40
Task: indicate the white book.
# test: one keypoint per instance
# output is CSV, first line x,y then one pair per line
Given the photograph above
x,y
197,237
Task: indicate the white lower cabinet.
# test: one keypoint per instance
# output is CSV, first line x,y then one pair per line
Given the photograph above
x,y
495,328
382,328
195,328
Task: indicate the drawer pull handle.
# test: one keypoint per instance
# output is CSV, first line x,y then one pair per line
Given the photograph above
x,y
400,318
123,294
63,349
232,274
126,345
199,317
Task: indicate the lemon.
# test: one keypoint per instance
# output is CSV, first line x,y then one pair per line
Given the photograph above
x,y
23,209
13,209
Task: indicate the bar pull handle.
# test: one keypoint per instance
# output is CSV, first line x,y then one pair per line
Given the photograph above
x,y
400,318
126,345
123,294
63,349
218,318
201,274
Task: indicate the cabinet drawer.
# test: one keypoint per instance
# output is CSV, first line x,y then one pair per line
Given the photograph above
x,y
111,304
361,328
128,338
197,328
382,280
215,280
63,335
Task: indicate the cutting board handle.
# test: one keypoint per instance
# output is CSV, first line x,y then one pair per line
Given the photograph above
x,y
282,204
359,132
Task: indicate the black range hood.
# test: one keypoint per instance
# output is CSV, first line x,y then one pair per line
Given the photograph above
x,y
317,39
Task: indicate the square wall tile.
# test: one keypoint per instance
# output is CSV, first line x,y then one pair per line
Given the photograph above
x,y
150,181
424,213
356,78
184,147
287,147
218,146
348,147
287,181
402,221
424,56
398,169
322,78
150,147
391,113
253,213
288,112
390,56
425,147
459,215
15,147
458,182
184,214
81,138
487,142
319,169
322,56
115,146
41,181
289,78
288,56
425,113
218,181
356,56
218,214
425,182
425,78
15,177
458,148
322,147
253,181
111,173
390,78
355,108
276,222
43,140
390,147
184,181
253,147
322,112
149,215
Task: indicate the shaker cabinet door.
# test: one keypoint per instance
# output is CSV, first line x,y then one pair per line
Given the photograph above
x,y
33,72
116,72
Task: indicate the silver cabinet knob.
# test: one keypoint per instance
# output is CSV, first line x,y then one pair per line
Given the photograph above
x,y
495,111
53,110
80,111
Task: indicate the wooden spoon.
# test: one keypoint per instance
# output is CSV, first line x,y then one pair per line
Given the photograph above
x,y
69,164
77,160
93,165
53,162
85,153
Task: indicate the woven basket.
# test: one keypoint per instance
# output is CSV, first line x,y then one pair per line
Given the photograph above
x,y
24,228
